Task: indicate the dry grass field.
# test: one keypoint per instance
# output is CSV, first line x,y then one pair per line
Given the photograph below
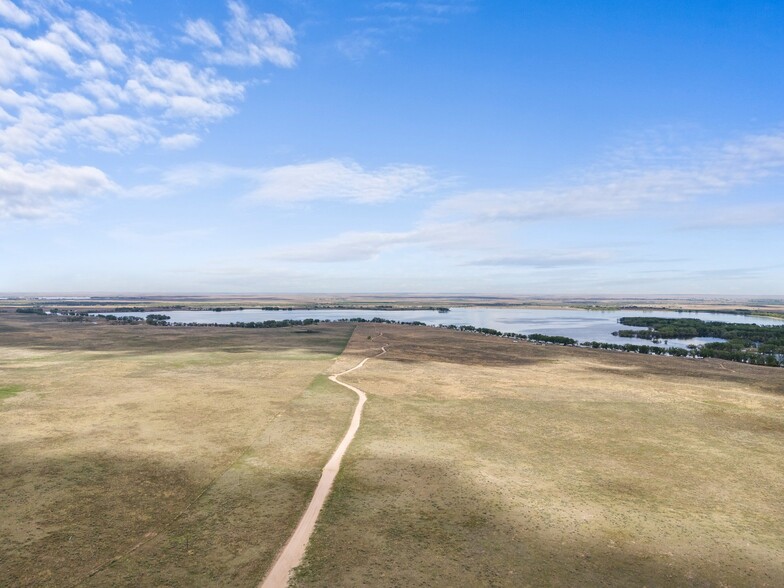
x,y
485,462
152,456
144,456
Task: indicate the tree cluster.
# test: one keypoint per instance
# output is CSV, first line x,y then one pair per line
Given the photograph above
x,y
31,310
747,343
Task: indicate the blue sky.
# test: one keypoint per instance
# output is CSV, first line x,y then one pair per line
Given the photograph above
x,y
621,148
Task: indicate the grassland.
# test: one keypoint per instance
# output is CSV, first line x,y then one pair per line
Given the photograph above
x,y
9,391
142,456
484,462
146,456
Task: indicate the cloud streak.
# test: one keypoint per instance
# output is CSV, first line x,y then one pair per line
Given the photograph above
x,y
749,215
545,259
631,186
356,246
351,246
336,179
326,180
388,19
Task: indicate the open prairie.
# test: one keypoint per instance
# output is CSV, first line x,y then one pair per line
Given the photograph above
x,y
149,456
134,455
481,461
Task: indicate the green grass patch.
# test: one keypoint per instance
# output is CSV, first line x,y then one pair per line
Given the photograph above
x,y
322,384
9,391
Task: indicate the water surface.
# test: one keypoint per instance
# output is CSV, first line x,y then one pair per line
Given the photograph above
x,y
583,325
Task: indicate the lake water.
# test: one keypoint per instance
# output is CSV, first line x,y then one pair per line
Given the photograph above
x,y
583,325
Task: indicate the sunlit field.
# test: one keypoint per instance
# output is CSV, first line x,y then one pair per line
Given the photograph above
x,y
482,461
147,456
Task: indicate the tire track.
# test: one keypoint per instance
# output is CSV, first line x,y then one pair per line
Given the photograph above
x,y
292,553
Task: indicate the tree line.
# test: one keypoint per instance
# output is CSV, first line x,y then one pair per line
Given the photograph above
x,y
769,352
747,343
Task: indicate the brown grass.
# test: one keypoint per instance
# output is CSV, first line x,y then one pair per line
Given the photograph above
x,y
142,456
481,461
154,456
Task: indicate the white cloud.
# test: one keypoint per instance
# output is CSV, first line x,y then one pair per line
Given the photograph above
x,y
181,91
352,246
748,215
545,259
12,98
155,94
5,117
14,63
15,15
326,180
79,79
72,104
195,108
368,245
108,132
27,58
419,9
359,44
112,54
157,238
180,141
35,131
336,179
630,184
108,95
201,32
177,78
30,131
46,189
388,19
180,179
253,40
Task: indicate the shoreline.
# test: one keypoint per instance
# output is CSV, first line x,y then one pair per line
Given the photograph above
x,y
775,312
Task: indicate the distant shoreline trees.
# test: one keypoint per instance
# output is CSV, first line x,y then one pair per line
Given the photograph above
x,y
743,342
764,345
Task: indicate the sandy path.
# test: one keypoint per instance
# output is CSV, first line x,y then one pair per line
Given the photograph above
x,y
292,553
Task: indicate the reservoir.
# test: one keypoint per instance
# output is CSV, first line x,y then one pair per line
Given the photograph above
x,y
583,325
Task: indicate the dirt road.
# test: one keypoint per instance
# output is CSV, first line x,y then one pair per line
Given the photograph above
x,y
294,550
